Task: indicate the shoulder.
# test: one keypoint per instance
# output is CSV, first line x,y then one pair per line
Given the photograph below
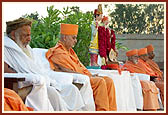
x,y
57,50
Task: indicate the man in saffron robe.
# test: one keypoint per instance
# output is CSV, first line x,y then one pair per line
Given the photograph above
x,y
143,57
13,102
63,58
159,81
149,88
151,63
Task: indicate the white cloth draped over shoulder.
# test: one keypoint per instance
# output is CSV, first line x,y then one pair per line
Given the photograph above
x,y
62,94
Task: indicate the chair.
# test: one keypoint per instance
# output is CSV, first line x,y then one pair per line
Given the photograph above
x,y
12,83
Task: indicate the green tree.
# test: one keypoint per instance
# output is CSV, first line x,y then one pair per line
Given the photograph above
x,y
137,18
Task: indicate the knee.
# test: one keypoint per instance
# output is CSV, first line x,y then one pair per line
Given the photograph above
x,y
108,80
102,81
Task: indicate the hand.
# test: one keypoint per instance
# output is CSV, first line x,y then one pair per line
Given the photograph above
x,y
95,75
116,53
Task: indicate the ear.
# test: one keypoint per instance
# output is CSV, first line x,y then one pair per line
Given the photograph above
x,y
13,35
64,38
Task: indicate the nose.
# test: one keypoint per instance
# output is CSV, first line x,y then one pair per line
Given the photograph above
x,y
75,40
29,38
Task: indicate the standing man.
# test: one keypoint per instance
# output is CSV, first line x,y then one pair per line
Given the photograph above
x,y
63,58
106,41
94,48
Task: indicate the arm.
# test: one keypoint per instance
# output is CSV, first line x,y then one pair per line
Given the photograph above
x,y
8,69
62,69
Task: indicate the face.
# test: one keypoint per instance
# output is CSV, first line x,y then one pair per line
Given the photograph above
x,y
144,57
70,41
23,36
105,22
99,17
134,59
151,55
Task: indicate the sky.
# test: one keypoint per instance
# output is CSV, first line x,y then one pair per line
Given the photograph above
x,y
14,10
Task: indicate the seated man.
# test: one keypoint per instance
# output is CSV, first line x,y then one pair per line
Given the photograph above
x,y
63,58
160,79
151,62
148,87
13,102
143,57
47,94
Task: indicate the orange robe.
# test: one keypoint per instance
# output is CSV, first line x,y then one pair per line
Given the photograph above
x,y
103,87
13,102
149,95
146,67
160,83
149,88
155,68
133,68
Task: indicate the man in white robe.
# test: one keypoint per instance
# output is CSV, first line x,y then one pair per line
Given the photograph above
x,y
62,95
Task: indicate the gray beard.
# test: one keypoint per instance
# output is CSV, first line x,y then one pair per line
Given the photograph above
x,y
135,62
24,49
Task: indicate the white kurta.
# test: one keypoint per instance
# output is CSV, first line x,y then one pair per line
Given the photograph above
x,y
66,94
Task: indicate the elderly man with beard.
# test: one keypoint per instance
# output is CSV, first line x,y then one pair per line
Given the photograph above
x,y
143,57
48,93
149,88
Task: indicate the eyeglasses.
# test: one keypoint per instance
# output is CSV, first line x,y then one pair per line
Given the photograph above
x,y
135,56
74,37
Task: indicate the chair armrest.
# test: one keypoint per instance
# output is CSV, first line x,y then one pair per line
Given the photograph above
x,y
12,83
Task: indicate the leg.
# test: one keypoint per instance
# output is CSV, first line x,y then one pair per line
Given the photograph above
x,y
100,93
93,59
111,93
160,85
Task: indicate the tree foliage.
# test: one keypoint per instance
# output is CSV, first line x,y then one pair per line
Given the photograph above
x,y
137,18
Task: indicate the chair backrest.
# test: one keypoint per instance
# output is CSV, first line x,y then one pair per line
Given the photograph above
x,y
40,58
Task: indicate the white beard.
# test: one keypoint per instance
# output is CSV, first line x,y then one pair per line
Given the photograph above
x,y
25,49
